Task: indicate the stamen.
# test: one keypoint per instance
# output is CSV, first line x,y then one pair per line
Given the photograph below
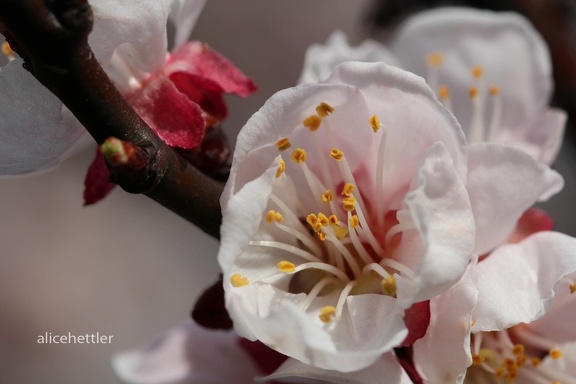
x,y
444,95
303,237
327,196
324,109
312,122
380,179
281,168
348,203
366,230
237,280
495,122
434,61
323,267
327,314
348,189
401,268
555,353
477,72
388,286
374,123
273,216
399,228
283,144
354,221
286,247
476,133
299,155
345,253
336,154
286,266
356,241
342,299
314,292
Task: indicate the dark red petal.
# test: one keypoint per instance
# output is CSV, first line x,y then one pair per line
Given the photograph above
x,y
417,319
176,119
209,311
96,184
267,359
532,221
404,356
204,92
199,59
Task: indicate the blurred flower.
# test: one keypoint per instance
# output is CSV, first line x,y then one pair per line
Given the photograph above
x,y
330,252
492,70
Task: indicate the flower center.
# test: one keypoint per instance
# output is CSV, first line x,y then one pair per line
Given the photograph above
x,y
337,243
479,130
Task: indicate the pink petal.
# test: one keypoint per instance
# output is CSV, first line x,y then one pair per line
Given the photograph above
x,y
171,114
96,184
204,92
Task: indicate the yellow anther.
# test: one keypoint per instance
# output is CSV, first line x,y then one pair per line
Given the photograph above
x,y
311,219
444,92
374,123
299,155
494,90
324,109
472,323
435,59
518,350
572,288
333,219
478,359
511,376
354,221
535,361
509,364
348,189
283,144
281,168
286,266
317,226
336,154
7,50
238,280
327,313
312,122
388,286
477,72
556,382
521,360
555,353
473,92
499,372
273,216
321,235
348,203
323,219
327,196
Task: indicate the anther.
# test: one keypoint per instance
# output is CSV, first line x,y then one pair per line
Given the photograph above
x,y
435,59
336,154
237,280
348,203
555,353
273,216
444,92
299,155
311,219
478,359
324,109
327,313
374,123
283,144
477,72
388,286
354,221
473,92
281,168
348,189
286,266
323,219
518,350
494,90
327,196
572,288
312,122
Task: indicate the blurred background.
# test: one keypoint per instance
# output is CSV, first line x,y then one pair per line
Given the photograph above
x,y
127,267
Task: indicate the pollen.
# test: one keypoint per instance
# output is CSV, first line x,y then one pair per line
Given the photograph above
x,y
494,90
336,154
374,123
327,314
238,280
321,235
7,50
348,189
473,92
273,216
348,203
299,155
312,122
388,286
354,221
333,219
444,92
286,266
477,71
535,361
324,109
478,359
555,353
283,144
327,196
435,59
281,168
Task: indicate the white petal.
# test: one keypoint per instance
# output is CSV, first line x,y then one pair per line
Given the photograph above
x,y
386,370
443,354
34,133
513,55
321,59
187,354
440,209
516,282
503,183
184,14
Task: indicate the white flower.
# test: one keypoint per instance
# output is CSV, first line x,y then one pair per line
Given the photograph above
x,y
492,70
346,205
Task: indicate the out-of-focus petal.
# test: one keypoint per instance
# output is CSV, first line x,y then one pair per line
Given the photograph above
x,y
184,14
532,221
516,282
188,354
96,184
503,183
34,133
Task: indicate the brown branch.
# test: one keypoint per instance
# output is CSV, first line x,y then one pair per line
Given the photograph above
x,y
52,38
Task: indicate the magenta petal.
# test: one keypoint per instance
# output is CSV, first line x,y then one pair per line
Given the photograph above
x,y
532,221
204,92
176,119
417,319
199,59
96,184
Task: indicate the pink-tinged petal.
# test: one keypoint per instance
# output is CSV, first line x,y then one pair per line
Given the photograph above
x,y
204,92
34,131
443,354
517,282
514,58
199,59
439,251
417,319
385,370
184,14
532,221
187,354
176,119
503,183
96,184
321,59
